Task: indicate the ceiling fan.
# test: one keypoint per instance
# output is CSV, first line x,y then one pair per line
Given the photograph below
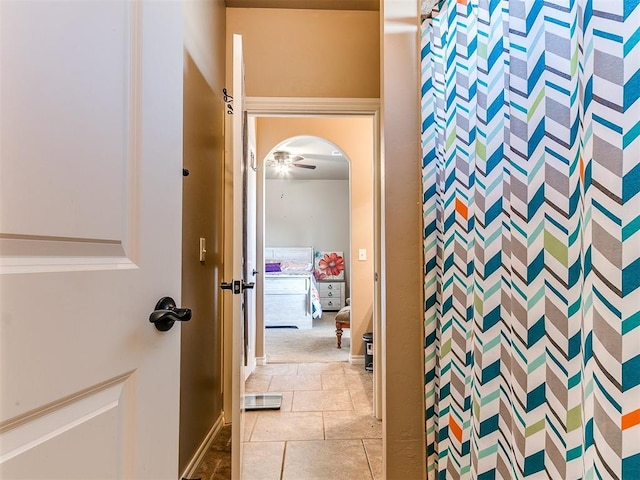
x,y
282,161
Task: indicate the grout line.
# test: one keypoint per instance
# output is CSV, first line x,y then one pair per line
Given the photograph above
x,y
324,432
353,404
366,454
284,452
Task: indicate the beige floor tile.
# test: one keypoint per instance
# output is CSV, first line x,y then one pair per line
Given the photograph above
x,y
320,368
321,401
284,383
353,368
334,382
351,425
288,426
362,401
249,423
276,369
324,429
251,416
257,383
359,381
353,381
373,448
262,460
326,460
287,400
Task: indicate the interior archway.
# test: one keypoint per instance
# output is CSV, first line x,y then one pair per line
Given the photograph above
x,y
307,204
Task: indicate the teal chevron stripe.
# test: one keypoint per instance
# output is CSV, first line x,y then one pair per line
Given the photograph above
x,y
631,323
607,123
610,215
608,35
631,43
632,135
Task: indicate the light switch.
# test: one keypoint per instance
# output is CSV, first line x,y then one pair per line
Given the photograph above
x,y
203,249
362,254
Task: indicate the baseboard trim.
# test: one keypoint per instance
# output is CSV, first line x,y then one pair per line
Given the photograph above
x,y
356,359
261,361
193,465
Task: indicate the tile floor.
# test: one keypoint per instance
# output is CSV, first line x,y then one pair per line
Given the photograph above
x,y
324,430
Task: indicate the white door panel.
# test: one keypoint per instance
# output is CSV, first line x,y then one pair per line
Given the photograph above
x,y
56,77
237,141
90,215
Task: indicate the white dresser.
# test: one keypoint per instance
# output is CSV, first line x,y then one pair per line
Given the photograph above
x,y
331,295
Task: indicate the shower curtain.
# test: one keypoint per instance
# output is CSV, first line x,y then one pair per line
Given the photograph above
x,y
531,175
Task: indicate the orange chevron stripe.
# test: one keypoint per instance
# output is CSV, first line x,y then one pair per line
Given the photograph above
x,y
631,419
581,169
455,429
462,209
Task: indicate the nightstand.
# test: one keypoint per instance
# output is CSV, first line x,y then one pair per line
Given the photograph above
x,y
332,295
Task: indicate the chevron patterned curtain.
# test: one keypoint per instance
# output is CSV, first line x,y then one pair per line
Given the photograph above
x,y
531,174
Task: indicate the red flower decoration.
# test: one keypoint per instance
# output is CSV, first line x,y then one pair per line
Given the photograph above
x,y
331,264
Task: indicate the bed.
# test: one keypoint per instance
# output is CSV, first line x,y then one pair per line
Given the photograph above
x,y
291,297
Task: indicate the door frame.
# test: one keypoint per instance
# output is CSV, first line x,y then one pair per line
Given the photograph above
x,y
333,107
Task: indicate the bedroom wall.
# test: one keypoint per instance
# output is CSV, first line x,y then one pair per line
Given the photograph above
x,y
311,213
201,360
354,136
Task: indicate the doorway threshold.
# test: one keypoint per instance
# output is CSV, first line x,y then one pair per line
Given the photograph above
x,y
262,401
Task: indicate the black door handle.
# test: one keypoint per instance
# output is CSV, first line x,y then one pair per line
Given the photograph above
x,y
234,286
166,314
237,286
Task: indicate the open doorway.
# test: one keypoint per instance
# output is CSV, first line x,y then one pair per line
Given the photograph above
x,y
354,201
307,251
324,399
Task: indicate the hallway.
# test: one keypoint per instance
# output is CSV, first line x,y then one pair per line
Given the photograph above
x,y
325,429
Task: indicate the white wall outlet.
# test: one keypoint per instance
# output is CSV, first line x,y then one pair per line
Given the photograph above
x,y
362,254
203,249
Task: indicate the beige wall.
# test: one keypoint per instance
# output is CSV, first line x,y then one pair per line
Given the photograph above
x,y
403,352
287,54
201,367
354,136
308,53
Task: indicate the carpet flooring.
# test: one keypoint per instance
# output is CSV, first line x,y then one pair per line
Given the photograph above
x,y
315,345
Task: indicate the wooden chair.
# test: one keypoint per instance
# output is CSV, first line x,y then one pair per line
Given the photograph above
x,y
343,320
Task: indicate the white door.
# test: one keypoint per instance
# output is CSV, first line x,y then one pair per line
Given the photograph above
x,y
90,232
237,143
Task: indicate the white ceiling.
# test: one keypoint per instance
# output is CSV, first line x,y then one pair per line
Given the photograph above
x,y
329,162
